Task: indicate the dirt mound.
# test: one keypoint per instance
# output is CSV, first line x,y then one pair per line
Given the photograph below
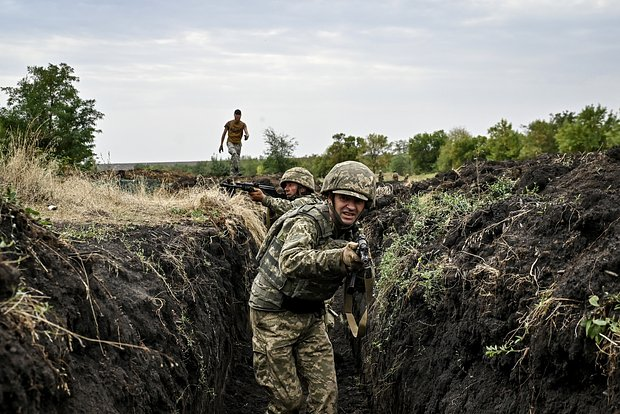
x,y
505,329
147,319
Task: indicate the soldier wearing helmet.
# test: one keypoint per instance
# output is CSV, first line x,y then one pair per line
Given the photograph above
x,y
298,184
305,257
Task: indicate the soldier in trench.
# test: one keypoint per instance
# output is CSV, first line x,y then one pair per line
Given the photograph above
x,y
298,184
305,257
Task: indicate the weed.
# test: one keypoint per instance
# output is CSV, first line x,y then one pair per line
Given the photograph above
x,y
493,351
601,326
501,189
88,232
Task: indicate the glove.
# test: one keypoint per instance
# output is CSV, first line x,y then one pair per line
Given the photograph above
x,y
246,137
221,148
350,259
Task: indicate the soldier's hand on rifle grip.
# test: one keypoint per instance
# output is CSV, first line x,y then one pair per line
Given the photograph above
x,y
256,195
350,259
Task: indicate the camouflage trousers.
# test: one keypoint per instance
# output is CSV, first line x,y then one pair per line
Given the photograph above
x,y
289,347
235,153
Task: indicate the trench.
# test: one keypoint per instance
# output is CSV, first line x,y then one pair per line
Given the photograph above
x,y
503,333
243,395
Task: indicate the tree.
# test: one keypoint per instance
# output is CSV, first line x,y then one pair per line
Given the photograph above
x,y
279,151
504,143
424,150
344,148
377,147
47,102
593,128
538,139
460,147
401,164
399,160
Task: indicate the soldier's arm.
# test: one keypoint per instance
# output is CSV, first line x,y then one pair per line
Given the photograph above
x,y
301,256
278,206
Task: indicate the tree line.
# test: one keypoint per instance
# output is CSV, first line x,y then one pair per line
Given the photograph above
x,y
45,107
593,128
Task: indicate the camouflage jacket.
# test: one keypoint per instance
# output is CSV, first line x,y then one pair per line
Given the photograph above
x,y
300,259
280,206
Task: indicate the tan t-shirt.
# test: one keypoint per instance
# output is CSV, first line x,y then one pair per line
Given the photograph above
x,y
235,130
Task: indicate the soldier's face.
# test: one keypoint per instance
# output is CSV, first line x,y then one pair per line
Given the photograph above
x,y
290,189
348,208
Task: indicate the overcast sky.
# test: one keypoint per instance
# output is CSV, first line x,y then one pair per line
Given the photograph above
x,y
169,74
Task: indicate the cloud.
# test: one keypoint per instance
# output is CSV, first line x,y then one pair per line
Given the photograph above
x,y
167,72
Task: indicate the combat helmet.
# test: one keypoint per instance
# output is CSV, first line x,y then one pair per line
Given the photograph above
x,y
351,178
298,175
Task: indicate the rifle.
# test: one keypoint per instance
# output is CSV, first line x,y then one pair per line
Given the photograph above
x,y
247,187
369,278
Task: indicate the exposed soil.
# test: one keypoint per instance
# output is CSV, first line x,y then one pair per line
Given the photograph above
x,y
153,319
519,272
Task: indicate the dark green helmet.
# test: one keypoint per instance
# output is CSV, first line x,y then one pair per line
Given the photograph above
x,y
298,175
351,178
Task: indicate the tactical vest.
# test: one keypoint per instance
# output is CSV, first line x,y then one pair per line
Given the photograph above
x,y
270,288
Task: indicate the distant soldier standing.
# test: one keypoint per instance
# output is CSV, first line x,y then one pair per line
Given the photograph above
x,y
305,257
235,129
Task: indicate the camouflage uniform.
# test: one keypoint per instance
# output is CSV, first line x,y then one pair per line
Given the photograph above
x,y
280,206
297,175
235,155
301,266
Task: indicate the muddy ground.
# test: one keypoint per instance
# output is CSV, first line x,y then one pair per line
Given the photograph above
x,y
153,319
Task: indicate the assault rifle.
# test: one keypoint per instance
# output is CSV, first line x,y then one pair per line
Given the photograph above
x,y
247,187
359,330
364,253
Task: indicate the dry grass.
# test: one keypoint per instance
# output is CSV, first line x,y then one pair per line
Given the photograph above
x,y
78,198
27,171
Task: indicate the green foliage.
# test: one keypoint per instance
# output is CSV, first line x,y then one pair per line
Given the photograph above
x,y
253,166
424,150
46,101
459,148
344,148
377,149
593,129
501,189
401,164
279,151
493,351
201,168
311,163
539,139
601,324
504,143
429,217
9,196
219,168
